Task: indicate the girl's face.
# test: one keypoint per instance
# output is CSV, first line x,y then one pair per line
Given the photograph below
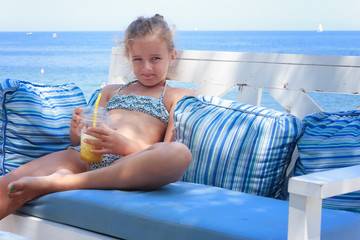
x,y
150,60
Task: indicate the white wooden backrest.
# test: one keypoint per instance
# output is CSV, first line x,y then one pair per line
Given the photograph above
x,y
287,77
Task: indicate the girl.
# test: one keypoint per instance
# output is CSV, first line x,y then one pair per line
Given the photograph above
x,y
141,115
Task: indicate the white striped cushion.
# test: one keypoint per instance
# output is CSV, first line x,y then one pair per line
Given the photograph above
x,y
34,120
236,146
330,141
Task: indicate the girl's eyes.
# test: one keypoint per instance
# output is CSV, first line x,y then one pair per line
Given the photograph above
x,y
152,59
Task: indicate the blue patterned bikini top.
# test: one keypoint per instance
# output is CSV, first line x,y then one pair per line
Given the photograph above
x,y
145,104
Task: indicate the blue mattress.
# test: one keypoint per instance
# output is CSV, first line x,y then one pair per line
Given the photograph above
x,y
181,211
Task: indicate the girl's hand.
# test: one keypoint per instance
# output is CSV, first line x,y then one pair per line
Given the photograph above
x,y
76,125
111,141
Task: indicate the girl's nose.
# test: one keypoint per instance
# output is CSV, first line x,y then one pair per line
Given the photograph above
x,y
148,65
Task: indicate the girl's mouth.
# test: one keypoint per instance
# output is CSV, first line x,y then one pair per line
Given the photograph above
x,y
148,75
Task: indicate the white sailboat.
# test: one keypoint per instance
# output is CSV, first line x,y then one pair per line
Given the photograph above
x,y
320,28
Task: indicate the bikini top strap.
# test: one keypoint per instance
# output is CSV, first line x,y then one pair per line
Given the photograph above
x,y
124,86
163,93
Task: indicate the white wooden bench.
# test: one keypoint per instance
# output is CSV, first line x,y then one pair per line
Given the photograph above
x,y
287,78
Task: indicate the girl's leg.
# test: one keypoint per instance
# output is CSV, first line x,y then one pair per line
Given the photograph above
x,y
151,168
44,166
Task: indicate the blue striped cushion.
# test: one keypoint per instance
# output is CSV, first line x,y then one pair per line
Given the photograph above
x,y
34,120
93,97
330,141
236,146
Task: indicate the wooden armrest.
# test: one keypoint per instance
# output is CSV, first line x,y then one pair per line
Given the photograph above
x,y
327,183
306,194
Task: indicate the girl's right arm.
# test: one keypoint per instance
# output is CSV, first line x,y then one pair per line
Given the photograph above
x,y
175,94
75,127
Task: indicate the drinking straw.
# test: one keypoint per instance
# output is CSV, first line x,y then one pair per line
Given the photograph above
x,y
96,108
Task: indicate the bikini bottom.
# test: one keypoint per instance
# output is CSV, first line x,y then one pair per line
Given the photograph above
x,y
107,159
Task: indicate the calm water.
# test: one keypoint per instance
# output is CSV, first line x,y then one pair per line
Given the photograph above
x,y
84,57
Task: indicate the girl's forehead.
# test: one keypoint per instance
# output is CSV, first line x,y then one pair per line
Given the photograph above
x,y
147,44
148,40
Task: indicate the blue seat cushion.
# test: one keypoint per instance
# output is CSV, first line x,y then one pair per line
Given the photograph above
x,y
34,120
236,146
181,210
330,141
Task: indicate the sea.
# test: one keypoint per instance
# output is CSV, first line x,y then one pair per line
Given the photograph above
x,y
84,57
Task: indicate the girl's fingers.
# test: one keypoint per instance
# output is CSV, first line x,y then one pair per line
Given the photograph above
x,y
102,151
78,111
98,132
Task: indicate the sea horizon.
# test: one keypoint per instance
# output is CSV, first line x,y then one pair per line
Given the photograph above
x,y
83,57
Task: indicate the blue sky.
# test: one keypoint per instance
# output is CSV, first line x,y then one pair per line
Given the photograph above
x,y
115,15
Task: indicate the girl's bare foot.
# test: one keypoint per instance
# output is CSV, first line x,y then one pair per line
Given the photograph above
x,y
28,188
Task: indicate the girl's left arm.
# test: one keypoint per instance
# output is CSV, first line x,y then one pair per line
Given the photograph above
x,y
111,140
177,94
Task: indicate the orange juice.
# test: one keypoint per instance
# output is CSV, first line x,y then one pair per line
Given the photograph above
x,y
86,154
88,120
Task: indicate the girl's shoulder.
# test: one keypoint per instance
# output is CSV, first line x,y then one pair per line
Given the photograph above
x,y
174,94
110,90
111,87
176,91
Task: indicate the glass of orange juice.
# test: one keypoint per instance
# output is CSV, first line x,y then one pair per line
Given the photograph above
x,y
88,120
